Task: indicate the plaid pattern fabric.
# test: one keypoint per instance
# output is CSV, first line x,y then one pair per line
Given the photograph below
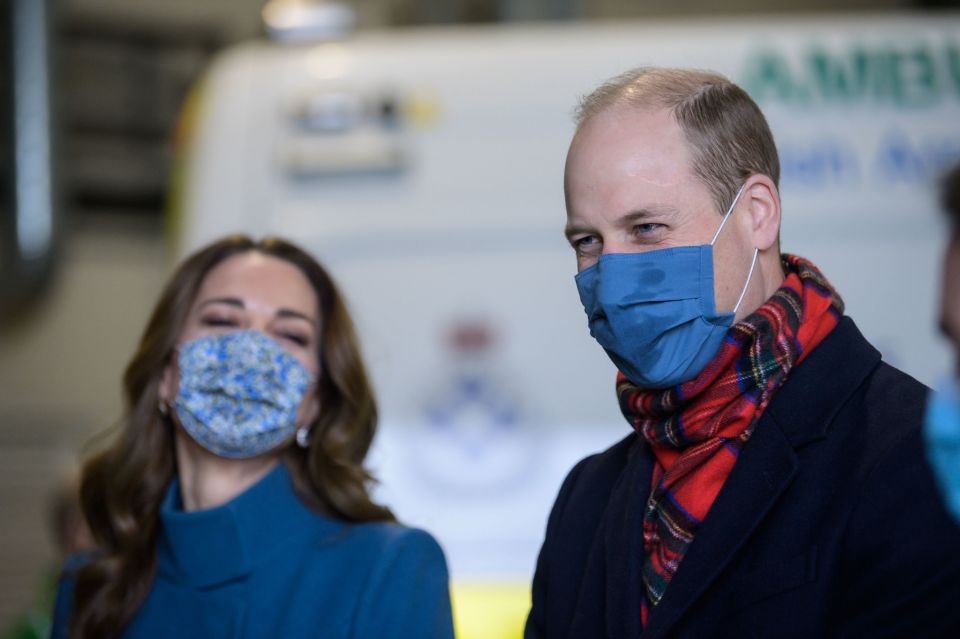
x,y
697,429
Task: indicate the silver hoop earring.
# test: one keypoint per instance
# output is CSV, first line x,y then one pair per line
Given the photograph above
x,y
303,437
162,407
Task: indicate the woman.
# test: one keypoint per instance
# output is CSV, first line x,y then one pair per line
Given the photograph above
x,y
234,501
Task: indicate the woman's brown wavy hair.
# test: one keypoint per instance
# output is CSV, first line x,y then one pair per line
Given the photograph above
x,y
122,486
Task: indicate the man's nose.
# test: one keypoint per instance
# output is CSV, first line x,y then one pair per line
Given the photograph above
x,y
615,245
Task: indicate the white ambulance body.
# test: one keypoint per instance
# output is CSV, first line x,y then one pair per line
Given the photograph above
x,y
424,168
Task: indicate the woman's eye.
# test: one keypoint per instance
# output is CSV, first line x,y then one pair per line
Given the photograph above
x,y
296,338
218,321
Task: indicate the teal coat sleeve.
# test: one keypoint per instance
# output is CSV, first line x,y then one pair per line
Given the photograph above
x,y
61,610
407,595
64,602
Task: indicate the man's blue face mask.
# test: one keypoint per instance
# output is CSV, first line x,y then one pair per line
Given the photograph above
x,y
654,313
942,434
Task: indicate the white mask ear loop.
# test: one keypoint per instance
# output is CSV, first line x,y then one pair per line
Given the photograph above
x,y
756,251
753,263
726,215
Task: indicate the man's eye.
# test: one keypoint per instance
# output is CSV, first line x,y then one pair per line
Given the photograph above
x,y
587,245
647,228
648,232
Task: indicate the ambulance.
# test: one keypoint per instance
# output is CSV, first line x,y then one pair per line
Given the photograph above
x,y
424,168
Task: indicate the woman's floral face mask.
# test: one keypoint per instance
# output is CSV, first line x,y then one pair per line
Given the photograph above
x,y
239,393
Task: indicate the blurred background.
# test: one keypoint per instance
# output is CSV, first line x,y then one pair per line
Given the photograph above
x,y
416,147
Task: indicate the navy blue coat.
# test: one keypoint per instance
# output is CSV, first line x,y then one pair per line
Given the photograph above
x,y
264,565
830,524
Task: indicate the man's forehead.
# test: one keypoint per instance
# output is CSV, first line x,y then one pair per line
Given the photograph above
x,y
629,145
619,121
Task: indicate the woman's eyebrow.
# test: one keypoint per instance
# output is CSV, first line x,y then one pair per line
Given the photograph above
x,y
287,312
231,301
238,303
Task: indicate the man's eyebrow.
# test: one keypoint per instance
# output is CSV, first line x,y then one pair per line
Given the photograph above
x,y
630,217
573,228
646,213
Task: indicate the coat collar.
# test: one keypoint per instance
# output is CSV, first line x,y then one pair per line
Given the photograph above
x,y
800,412
805,407
210,547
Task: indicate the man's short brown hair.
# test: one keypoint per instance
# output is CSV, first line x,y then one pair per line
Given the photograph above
x,y
725,128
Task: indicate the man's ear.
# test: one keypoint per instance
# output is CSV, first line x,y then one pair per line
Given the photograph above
x,y
762,198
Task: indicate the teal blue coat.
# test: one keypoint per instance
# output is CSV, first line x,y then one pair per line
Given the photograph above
x,y
264,565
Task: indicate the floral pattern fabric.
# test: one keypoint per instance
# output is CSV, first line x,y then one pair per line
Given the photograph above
x,y
239,392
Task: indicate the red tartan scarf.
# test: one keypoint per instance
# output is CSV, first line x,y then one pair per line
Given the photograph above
x,y
697,429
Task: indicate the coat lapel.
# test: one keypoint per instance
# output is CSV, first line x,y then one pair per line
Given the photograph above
x,y
608,604
801,412
623,546
765,468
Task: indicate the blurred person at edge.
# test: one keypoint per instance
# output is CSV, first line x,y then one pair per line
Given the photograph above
x,y
775,484
234,501
942,427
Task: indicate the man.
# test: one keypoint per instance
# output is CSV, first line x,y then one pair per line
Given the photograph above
x,y
943,412
775,483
